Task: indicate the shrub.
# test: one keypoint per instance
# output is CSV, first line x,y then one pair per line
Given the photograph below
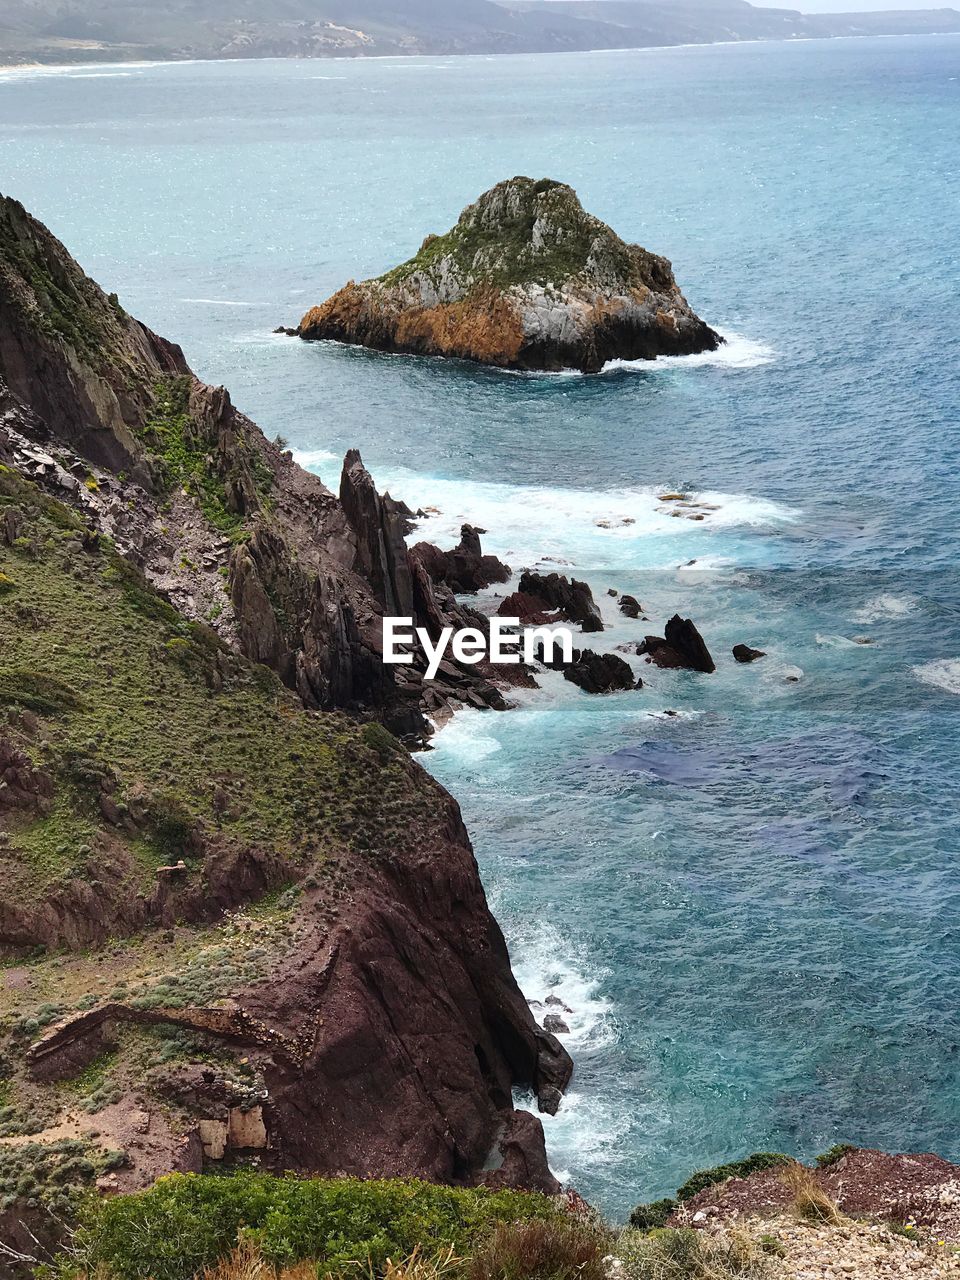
x,y
555,1249
736,1169
188,1222
655,1214
835,1153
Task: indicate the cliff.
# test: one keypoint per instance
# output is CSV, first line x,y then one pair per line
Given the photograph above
x,y
233,919
108,416
525,280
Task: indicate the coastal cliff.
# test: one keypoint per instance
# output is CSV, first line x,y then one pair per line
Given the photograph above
x,y
525,280
233,918
109,417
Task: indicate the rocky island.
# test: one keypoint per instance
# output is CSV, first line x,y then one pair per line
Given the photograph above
x,y
527,279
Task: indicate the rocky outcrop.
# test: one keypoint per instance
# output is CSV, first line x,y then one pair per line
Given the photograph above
x,y
569,599
681,645
593,672
465,569
630,606
525,280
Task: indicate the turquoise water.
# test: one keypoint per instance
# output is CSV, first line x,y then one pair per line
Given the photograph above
x,y
751,907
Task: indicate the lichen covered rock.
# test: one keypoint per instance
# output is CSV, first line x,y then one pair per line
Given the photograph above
x,y
525,280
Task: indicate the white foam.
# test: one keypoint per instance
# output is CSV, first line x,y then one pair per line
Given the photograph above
x,y
311,458
736,352
886,606
220,302
544,966
944,673
555,527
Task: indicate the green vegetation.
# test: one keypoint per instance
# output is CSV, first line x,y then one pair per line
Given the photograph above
x,y
189,741
736,1169
499,250
52,1175
243,1225
185,459
187,1222
835,1153
655,1213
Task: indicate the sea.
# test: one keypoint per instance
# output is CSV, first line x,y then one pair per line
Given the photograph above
x,y
744,886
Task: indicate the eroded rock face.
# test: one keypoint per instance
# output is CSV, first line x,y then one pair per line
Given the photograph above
x,y
465,568
571,599
525,280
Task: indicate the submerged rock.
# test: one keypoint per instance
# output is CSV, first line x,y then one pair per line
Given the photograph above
x,y
525,280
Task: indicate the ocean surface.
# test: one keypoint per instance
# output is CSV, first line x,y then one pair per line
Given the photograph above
x,y
749,906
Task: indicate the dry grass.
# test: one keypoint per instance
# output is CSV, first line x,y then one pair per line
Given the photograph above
x,y
248,1263
683,1254
810,1201
556,1249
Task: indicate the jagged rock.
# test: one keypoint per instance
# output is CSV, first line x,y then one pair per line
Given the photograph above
x,y
464,569
743,653
525,280
600,672
530,609
630,606
555,1025
572,600
680,646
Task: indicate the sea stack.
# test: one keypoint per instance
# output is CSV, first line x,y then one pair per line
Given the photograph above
x,y
527,279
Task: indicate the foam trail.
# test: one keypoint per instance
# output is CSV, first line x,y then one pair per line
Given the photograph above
x,y
944,673
737,352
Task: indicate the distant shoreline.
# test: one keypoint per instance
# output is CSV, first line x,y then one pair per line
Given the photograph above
x,y
143,64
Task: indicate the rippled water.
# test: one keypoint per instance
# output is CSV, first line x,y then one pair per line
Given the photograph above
x,y
749,906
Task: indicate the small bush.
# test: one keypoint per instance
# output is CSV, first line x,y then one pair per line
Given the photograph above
x,y
836,1152
558,1249
736,1169
810,1201
655,1214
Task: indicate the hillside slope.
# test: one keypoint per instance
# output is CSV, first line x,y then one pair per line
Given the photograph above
x,y
68,31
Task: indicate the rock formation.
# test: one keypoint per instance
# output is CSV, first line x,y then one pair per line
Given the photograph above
x,y
525,280
552,597
681,645
233,872
108,416
743,653
464,569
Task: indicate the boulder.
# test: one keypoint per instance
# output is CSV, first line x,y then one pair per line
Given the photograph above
x,y
630,606
527,279
743,653
600,672
680,646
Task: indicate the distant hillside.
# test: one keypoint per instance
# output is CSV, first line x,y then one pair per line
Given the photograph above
x,y
116,30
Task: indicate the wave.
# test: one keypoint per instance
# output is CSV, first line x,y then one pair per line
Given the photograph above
x,y
944,673
737,352
643,528
221,302
546,972
312,458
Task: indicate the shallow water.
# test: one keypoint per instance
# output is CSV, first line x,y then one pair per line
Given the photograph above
x,y
750,906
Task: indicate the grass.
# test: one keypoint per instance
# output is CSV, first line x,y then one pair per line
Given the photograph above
x,y
158,705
